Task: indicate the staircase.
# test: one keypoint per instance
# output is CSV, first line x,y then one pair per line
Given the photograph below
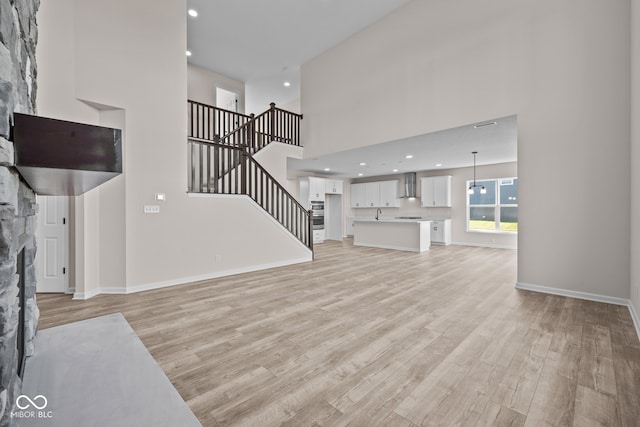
x,y
221,146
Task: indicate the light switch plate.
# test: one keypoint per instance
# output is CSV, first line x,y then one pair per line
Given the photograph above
x,y
151,209
161,196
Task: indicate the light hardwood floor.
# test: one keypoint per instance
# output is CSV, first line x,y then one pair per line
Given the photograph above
x,y
369,337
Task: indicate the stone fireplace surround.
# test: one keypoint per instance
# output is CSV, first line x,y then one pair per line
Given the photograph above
x,y
18,38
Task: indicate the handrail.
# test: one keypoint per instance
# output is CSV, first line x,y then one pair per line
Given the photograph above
x,y
217,124
288,112
217,108
235,131
209,122
227,169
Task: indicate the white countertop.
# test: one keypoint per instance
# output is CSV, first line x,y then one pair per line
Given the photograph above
x,y
386,220
392,219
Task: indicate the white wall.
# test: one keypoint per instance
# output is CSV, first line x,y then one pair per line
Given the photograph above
x,y
458,210
126,63
273,158
439,64
635,155
202,84
293,106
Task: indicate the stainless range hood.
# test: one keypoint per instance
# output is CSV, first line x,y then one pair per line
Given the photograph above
x,y
409,185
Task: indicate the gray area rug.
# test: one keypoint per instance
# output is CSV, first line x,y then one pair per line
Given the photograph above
x,y
97,372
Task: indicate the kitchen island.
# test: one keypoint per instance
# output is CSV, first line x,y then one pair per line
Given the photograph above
x,y
397,234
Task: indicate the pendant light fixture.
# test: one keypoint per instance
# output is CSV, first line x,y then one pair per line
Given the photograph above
x,y
472,187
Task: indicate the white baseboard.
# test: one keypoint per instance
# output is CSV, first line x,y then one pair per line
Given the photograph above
x,y
86,295
635,318
186,280
395,248
485,245
215,275
585,296
573,294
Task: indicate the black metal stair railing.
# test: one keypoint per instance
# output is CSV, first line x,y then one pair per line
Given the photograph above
x,y
219,168
227,127
209,122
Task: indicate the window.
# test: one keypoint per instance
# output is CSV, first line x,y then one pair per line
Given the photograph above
x,y
497,209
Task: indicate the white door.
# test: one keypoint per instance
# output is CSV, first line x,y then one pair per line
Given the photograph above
x,y
52,244
226,99
333,217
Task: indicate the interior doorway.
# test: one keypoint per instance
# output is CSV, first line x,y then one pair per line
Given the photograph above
x,y
333,217
226,99
52,239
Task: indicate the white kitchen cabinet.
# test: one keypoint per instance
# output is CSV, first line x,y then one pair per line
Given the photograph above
x,y
312,189
358,196
350,226
333,186
382,194
372,194
318,236
316,189
389,194
441,232
436,191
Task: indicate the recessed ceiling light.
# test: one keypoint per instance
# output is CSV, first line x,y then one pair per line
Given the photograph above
x,y
327,169
192,12
395,170
363,164
482,125
360,174
409,156
438,165
188,53
287,84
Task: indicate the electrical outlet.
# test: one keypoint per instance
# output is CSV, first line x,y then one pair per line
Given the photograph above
x,y
151,209
217,258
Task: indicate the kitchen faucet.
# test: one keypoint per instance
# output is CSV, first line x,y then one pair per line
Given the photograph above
x,y
379,211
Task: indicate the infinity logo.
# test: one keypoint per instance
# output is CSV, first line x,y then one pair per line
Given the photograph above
x,y
33,403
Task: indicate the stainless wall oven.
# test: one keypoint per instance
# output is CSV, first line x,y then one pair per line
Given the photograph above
x,y
317,215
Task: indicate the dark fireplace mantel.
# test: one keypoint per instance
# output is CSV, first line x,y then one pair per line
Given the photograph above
x,y
58,157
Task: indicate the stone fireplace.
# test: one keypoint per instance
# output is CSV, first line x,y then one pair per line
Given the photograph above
x,y
18,320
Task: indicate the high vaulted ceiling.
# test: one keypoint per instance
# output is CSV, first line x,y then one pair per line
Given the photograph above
x,y
264,42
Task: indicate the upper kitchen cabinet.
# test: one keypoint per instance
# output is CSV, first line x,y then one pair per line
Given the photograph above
x,y
383,194
389,194
333,186
436,191
372,194
312,189
358,196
